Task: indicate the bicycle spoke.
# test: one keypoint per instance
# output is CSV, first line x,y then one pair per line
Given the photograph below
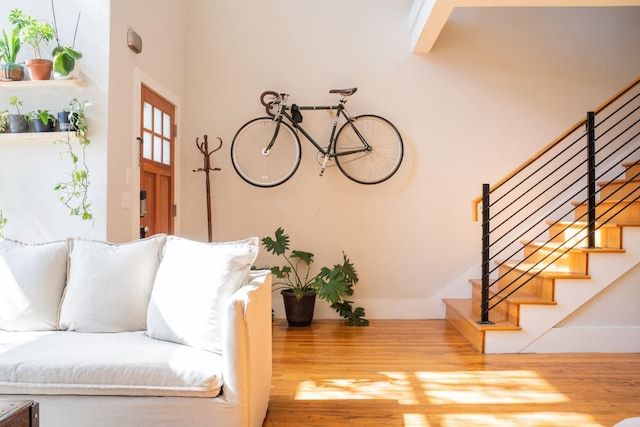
x,y
380,162
254,163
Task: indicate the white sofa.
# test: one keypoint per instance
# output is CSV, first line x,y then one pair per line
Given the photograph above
x,y
162,331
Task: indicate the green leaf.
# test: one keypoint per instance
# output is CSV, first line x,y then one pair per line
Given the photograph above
x,y
306,257
278,246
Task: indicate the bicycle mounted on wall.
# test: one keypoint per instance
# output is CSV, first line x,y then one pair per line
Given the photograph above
x,y
266,151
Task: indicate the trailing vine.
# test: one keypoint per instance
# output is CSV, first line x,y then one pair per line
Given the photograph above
x,y
73,190
3,221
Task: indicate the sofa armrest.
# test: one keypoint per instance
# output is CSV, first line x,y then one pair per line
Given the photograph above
x,y
247,348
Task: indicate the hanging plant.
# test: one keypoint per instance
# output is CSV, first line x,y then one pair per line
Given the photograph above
x,y
73,191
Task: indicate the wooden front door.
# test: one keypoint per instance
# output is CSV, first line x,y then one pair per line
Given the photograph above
x,y
156,165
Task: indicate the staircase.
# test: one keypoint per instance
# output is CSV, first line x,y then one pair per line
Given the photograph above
x,y
579,247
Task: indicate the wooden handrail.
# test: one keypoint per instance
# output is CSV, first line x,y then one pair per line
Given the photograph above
x,y
478,200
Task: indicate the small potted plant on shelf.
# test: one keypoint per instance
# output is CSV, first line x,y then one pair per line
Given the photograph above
x,y
34,33
42,120
299,288
65,57
17,123
4,120
9,48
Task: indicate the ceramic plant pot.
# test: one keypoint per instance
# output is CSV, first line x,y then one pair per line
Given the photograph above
x,y
299,312
10,72
39,69
17,123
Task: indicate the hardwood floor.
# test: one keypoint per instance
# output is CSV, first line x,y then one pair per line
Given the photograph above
x,y
422,373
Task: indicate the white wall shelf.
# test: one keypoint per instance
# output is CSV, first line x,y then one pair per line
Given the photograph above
x,y
35,136
43,84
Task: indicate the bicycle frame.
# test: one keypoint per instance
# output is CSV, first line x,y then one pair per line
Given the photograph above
x,y
340,111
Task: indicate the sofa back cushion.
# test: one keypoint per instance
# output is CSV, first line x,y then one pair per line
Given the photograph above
x,y
194,283
109,285
32,279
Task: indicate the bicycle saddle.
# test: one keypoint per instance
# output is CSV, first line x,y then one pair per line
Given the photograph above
x,y
344,92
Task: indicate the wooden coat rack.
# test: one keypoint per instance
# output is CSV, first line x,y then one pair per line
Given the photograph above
x,y
204,149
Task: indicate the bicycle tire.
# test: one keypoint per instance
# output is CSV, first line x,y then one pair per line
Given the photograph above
x,y
377,165
260,168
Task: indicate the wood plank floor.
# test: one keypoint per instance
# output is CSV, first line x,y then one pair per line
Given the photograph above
x,y
422,373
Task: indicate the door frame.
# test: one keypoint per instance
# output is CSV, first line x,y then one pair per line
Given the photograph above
x,y
140,78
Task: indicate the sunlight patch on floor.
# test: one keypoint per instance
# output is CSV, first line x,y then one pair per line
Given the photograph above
x,y
498,390
525,419
396,387
488,387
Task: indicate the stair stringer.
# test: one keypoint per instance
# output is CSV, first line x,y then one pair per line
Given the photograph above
x,y
570,294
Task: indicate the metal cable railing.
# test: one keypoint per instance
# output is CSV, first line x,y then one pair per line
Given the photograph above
x,y
540,196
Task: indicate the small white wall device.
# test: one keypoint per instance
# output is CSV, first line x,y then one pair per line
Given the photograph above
x,y
134,41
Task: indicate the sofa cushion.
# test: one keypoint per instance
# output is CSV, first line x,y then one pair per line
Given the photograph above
x,y
109,285
193,284
127,363
32,279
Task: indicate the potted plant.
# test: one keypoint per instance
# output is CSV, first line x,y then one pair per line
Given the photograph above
x,y
17,123
34,33
4,120
299,288
9,48
42,120
65,57
73,191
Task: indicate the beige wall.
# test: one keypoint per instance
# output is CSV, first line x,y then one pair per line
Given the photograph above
x,y
498,85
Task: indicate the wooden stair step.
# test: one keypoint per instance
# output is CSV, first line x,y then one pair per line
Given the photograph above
x,y
548,272
561,246
509,309
608,235
460,316
622,212
524,297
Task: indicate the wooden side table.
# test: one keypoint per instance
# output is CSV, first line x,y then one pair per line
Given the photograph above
x,y
19,413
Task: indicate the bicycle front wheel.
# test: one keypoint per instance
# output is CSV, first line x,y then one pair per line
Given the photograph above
x,y
380,161
258,165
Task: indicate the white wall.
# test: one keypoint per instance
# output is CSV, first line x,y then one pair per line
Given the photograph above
x,y
498,85
30,170
161,66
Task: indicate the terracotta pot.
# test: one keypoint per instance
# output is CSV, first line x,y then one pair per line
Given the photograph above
x,y
299,312
10,72
39,69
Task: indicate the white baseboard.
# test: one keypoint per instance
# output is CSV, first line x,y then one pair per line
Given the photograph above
x,y
615,339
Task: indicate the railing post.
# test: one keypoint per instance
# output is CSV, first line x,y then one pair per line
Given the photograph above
x,y
591,187
484,308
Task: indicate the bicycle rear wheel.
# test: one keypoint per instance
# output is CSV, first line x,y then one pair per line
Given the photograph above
x,y
259,166
377,164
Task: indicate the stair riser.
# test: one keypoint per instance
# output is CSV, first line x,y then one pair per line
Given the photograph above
x,y
629,216
503,311
570,261
606,237
538,285
632,171
617,192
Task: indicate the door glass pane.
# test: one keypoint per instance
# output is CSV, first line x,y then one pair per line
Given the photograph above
x,y
157,121
146,120
166,152
157,149
146,146
166,127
